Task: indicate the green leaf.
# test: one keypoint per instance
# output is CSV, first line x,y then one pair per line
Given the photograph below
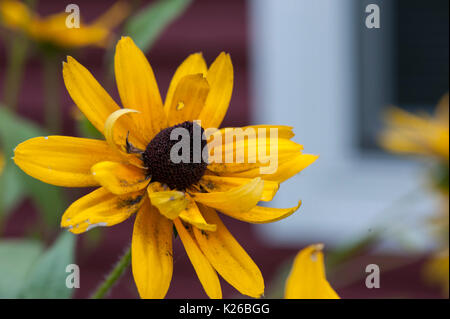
x,y
146,25
15,184
16,259
47,279
87,130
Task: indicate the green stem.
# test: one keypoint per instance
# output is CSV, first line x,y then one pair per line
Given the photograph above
x,y
114,275
52,109
14,71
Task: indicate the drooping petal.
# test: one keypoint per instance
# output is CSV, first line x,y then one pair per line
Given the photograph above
x,y
170,203
193,216
220,78
188,99
92,99
138,88
205,272
213,183
307,278
228,257
63,161
119,178
193,64
151,252
263,215
284,171
100,208
239,199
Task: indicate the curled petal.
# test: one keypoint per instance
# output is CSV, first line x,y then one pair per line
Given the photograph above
x,y
112,141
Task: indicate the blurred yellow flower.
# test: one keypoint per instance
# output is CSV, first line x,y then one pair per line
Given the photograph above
x,y
418,134
437,271
52,29
135,173
307,279
2,163
427,136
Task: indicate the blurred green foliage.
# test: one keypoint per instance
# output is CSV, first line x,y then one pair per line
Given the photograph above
x,y
15,185
146,25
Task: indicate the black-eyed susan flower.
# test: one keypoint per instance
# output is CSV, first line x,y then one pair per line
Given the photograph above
x,y
425,135
307,278
135,174
53,30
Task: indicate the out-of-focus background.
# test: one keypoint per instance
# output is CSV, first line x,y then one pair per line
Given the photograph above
x,y
313,65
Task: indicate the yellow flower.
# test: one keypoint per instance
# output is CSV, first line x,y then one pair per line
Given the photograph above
x,y
53,30
134,172
419,134
307,279
2,163
437,271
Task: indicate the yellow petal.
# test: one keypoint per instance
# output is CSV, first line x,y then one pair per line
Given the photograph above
x,y
114,16
119,178
263,215
188,99
239,200
284,132
228,257
285,170
63,161
169,203
14,14
234,150
307,278
95,103
138,88
100,208
193,64
193,216
213,183
220,79
205,272
151,253
120,145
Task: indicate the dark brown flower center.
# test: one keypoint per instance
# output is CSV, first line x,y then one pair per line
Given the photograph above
x,y
176,161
